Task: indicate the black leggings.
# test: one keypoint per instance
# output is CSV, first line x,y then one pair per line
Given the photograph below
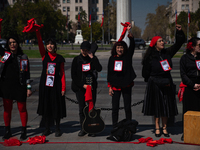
x,y
126,93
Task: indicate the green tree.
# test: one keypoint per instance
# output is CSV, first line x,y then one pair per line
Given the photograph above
x,y
15,18
157,23
136,32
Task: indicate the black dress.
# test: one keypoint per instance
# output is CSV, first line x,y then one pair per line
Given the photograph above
x,y
51,102
190,76
10,85
160,101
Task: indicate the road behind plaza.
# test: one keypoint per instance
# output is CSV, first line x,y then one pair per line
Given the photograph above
x,y
70,125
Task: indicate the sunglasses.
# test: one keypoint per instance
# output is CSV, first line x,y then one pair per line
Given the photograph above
x,y
9,43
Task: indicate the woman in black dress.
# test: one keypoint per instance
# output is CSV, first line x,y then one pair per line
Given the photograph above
x,y
159,100
190,75
52,85
14,83
120,76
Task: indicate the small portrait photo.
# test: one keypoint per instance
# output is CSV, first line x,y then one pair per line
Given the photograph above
x,y
50,81
5,57
118,66
51,67
165,65
85,67
198,64
24,64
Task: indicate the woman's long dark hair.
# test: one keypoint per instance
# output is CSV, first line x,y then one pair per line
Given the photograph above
x,y
150,52
121,43
53,41
19,50
194,41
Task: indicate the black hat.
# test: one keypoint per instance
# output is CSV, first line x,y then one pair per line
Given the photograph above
x,y
94,48
85,45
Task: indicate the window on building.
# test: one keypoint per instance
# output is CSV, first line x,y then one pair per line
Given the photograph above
x,y
187,6
97,1
68,17
68,1
64,9
93,1
93,9
80,8
64,1
76,8
76,1
68,8
182,7
97,9
80,1
97,17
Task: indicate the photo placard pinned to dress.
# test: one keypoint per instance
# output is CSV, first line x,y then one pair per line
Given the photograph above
x,y
50,81
51,67
118,65
198,64
86,67
5,57
24,65
165,65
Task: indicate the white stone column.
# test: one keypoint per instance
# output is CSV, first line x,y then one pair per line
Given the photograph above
x,y
123,15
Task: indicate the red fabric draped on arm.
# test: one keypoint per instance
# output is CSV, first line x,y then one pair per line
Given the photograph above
x,y
181,91
88,97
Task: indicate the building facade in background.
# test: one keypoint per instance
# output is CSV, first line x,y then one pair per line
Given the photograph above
x,y
73,7
181,5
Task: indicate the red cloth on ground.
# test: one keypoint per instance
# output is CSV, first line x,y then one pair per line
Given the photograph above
x,y
12,142
88,97
37,140
154,40
181,91
124,30
152,143
8,105
31,26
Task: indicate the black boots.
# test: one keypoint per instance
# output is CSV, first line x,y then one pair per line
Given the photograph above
x,y
7,134
23,134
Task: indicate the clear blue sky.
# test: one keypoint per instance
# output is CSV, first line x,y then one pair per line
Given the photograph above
x,y
140,9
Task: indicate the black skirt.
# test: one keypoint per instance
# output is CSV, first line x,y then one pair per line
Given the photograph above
x,y
159,102
191,100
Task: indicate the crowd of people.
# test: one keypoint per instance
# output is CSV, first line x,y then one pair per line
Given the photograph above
x,y
159,97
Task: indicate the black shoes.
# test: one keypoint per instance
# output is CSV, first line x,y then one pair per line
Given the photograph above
x,y
58,133
157,134
7,134
23,134
182,137
46,132
82,133
166,134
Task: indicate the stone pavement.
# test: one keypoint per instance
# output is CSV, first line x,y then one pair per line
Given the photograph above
x,y
70,125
